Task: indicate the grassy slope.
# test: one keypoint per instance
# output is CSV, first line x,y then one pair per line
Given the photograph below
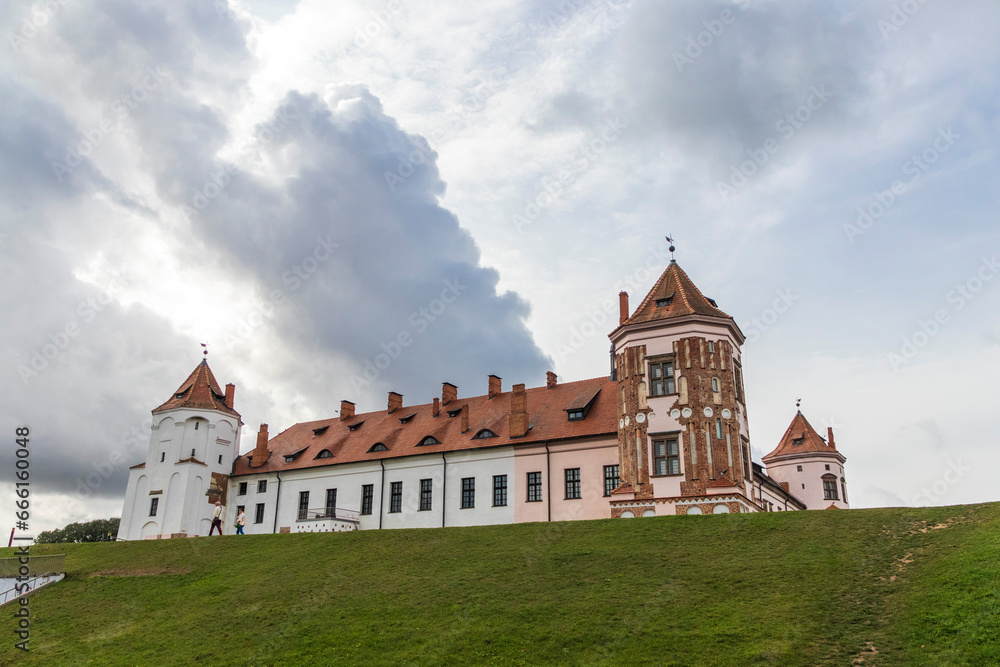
x,y
804,588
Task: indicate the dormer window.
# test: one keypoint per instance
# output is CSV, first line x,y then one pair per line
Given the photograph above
x,y
574,415
325,454
796,442
355,427
454,413
712,301
663,303
429,440
378,447
403,420
483,434
321,430
291,457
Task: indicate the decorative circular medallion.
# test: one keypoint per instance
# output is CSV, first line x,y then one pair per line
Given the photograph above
x,y
726,414
708,412
686,412
640,418
675,413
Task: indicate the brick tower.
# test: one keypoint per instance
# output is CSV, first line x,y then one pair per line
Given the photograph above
x,y
682,433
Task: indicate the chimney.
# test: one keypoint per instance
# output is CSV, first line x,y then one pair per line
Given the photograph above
x,y
449,393
260,451
550,380
436,410
346,410
829,437
395,401
230,395
784,485
494,385
518,412
465,418
622,307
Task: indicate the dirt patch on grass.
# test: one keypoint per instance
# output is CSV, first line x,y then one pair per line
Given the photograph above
x,y
141,572
869,652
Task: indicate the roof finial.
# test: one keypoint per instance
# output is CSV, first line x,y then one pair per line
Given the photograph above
x,y
671,248
205,351
798,402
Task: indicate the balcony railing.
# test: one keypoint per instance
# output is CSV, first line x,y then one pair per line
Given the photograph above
x,y
328,513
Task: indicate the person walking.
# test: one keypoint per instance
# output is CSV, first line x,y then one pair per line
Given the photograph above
x,y
216,519
241,520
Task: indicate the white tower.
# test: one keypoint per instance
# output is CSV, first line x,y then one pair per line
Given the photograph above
x,y
812,468
194,442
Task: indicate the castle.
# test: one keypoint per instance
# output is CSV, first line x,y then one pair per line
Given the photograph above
x,y
665,434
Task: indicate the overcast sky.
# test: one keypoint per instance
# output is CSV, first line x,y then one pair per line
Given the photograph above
x,y
463,188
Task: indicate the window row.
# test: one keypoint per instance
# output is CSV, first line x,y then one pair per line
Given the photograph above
x,y
261,487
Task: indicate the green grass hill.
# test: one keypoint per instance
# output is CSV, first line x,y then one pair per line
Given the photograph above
x,y
859,587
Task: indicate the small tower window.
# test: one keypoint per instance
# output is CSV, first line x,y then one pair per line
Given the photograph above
x,y
718,429
715,383
192,453
663,303
196,426
662,378
830,487
798,468
796,442
220,458
153,504
163,456
711,348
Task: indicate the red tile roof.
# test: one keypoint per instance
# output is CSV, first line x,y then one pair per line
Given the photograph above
x,y
200,392
800,428
685,299
546,416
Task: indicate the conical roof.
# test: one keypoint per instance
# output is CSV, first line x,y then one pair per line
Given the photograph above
x,y
674,295
200,392
800,438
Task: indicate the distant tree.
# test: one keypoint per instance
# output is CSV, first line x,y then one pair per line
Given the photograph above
x,y
99,530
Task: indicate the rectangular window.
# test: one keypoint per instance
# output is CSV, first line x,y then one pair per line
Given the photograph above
x,y
331,502
572,483
746,457
258,516
666,457
830,489
262,486
367,493
798,468
611,480
738,383
499,490
243,489
468,492
426,491
153,504
661,378
303,505
220,458
163,456
534,487
395,497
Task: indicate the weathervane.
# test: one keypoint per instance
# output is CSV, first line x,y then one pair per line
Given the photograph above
x,y
671,248
205,351
798,402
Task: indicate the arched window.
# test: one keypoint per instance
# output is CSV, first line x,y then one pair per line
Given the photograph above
x,y
485,433
429,440
720,509
830,487
694,510
325,454
378,447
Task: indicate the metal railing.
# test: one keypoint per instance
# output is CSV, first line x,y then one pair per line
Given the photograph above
x,y
324,513
11,567
33,584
